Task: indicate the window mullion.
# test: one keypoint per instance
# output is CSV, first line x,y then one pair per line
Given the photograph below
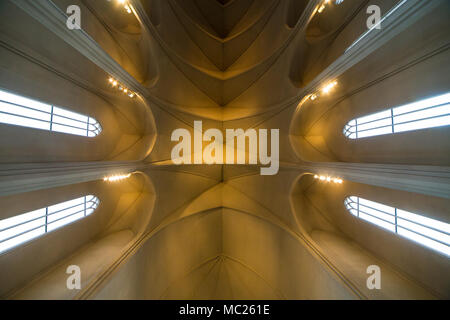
x,y
396,229
51,124
418,115
392,120
46,219
357,203
66,215
31,113
422,235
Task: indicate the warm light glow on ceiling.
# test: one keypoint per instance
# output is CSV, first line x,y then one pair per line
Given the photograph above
x,y
125,4
117,178
115,84
328,179
325,90
328,87
325,2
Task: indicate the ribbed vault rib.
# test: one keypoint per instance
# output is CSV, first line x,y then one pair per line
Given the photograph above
x,y
227,63
226,278
184,214
223,17
223,87
223,52
395,24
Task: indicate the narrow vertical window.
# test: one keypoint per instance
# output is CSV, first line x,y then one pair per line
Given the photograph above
x,y
21,111
423,114
27,226
431,233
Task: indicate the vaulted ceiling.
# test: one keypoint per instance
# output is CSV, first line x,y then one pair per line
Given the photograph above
x,y
224,231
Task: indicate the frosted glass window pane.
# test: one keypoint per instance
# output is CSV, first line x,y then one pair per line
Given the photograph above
x,y
21,111
435,101
66,204
423,124
24,122
374,132
375,116
70,114
377,205
68,122
9,233
425,241
19,229
16,99
375,124
55,225
65,212
9,222
426,231
351,129
377,214
6,245
435,224
377,222
91,205
93,127
423,114
25,112
436,235
64,129
427,113
353,205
